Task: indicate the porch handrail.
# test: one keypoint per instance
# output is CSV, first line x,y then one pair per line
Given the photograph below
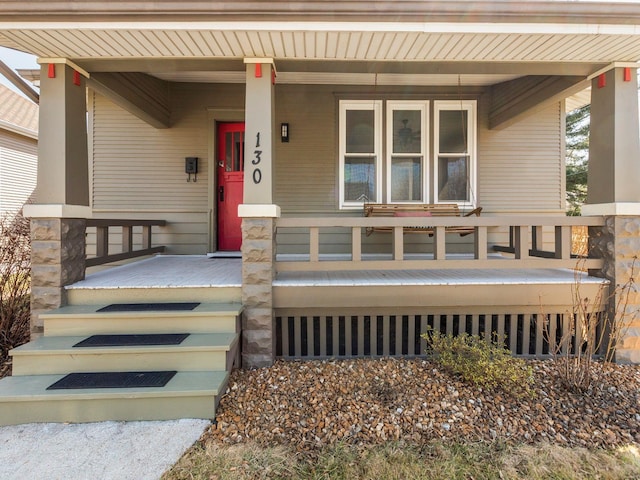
x,y
102,239
524,242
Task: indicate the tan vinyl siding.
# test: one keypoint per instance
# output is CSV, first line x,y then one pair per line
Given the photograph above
x,y
138,171
520,168
18,166
306,168
186,233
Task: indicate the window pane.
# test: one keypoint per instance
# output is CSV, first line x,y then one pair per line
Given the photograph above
x,y
407,131
360,131
453,131
238,153
406,179
228,151
360,179
453,178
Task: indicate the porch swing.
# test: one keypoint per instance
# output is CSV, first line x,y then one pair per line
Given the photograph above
x,y
430,209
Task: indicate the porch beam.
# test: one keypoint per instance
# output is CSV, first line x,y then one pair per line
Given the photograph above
x,y
142,95
516,99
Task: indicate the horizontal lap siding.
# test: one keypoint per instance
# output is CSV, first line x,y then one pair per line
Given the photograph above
x,y
306,167
184,233
519,168
18,169
138,171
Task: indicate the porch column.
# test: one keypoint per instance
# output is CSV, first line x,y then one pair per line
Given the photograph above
x,y
613,179
258,217
62,193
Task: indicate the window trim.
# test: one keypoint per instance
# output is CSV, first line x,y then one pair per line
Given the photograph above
x,y
472,126
376,107
423,107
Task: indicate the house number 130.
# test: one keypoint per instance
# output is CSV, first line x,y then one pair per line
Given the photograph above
x,y
257,173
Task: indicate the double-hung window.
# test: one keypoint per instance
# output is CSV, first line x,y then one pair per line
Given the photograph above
x,y
406,152
455,164
360,152
386,154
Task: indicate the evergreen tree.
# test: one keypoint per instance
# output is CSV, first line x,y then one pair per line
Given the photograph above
x,y
577,157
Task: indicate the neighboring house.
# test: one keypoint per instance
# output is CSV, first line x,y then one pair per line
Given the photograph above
x,y
18,150
263,128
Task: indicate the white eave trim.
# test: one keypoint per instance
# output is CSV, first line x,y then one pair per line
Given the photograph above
x,y
370,26
25,132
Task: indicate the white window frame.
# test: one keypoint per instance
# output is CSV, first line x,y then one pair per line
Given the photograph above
x,y
376,107
471,107
423,107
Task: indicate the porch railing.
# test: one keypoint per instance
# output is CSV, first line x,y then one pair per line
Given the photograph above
x,y
102,227
524,246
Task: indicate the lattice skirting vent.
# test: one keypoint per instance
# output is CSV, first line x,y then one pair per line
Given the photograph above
x,y
335,335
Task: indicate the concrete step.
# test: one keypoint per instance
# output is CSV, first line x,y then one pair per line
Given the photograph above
x,y
78,320
56,354
24,399
104,295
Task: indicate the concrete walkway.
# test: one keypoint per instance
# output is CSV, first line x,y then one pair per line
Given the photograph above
x,y
105,450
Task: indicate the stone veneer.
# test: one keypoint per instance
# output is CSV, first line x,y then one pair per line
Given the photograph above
x,y
618,243
57,259
258,253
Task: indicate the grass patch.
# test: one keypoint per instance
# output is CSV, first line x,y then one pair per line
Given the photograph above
x,y
396,460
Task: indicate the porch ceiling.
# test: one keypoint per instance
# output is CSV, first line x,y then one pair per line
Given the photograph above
x,y
322,41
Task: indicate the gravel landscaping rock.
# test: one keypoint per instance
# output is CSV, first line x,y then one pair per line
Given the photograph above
x,y
309,404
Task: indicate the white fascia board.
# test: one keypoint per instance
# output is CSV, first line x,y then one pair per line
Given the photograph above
x,y
25,132
297,26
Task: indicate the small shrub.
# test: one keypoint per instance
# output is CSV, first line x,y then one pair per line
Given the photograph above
x,y
488,365
15,283
593,333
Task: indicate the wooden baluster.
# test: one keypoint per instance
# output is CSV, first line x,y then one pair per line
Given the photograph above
x,y
127,239
439,246
521,242
314,244
480,243
398,243
356,244
146,236
563,242
102,241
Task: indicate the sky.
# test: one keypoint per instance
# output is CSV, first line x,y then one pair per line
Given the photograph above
x,y
15,60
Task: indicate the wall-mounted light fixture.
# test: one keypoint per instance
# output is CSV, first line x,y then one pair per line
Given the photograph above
x,y
284,132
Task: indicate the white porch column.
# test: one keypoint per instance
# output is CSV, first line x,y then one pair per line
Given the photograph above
x,y
613,180
258,217
62,193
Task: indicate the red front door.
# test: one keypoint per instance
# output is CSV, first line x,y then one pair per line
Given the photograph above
x,y
230,161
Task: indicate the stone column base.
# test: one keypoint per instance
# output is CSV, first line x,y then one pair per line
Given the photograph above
x,y
618,243
57,259
258,332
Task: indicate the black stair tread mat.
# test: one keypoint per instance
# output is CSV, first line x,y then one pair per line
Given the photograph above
x,y
113,380
132,340
149,307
